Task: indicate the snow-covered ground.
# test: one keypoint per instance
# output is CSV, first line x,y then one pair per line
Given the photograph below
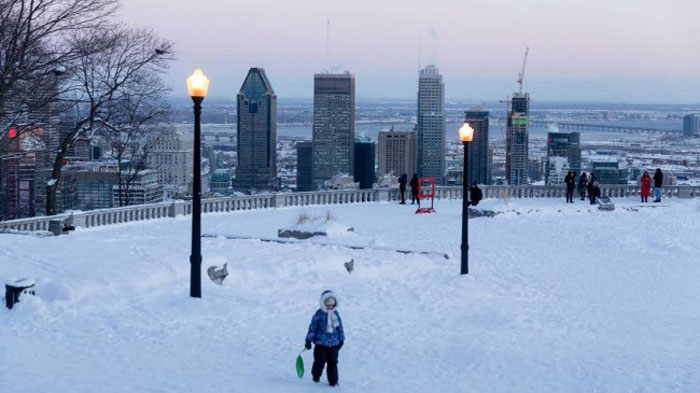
x,y
560,298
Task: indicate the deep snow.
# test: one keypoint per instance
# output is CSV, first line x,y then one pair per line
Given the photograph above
x,y
559,298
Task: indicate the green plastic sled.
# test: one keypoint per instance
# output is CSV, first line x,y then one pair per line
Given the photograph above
x,y
300,366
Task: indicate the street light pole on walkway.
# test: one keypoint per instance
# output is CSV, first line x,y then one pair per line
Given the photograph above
x,y
197,86
466,133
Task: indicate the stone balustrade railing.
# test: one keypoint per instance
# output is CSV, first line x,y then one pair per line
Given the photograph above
x,y
94,218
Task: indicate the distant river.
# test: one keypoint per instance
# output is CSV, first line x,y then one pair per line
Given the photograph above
x,y
496,132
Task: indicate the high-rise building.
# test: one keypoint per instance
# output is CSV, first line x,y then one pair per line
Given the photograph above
x,y
431,124
304,164
478,165
172,156
397,152
517,139
365,174
563,155
691,125
333,127
257,134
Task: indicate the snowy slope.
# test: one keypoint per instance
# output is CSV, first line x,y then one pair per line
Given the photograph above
x,y
559,298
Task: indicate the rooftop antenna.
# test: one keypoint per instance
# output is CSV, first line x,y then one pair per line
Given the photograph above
x,y
521,74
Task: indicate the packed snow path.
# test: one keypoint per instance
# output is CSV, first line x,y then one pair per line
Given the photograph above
x,y
560,298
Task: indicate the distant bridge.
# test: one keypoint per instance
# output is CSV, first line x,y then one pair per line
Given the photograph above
x,y
219,135
565,125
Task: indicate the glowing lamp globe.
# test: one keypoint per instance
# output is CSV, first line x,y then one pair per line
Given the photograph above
x,y
466,133
197,84
12,133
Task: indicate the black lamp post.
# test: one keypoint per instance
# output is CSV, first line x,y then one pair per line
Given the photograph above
x,y
466,133
197,86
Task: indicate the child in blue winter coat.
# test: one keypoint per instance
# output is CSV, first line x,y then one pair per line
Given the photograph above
x,y
326,332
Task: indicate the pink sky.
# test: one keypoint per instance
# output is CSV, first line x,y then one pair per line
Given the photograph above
x,y
613,50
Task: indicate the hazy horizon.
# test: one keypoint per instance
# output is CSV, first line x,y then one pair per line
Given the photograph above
x,y
629,51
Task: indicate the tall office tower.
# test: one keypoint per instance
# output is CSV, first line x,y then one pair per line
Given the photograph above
x,y
563,155
397,152
478,165
431,124
517,139
691,126
257,134
304,162
333,126
365,152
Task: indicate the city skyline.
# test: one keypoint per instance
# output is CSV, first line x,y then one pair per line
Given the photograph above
x,y
580,51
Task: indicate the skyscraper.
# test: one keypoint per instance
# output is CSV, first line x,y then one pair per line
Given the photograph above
x,y
257,134
304,162
333,126
478,165
517,139
431,124
563,155
364,163
691,126
397,152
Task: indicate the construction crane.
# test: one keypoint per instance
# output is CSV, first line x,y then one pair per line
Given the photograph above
x,y
521,75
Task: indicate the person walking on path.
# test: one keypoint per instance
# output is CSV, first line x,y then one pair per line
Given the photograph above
x,y
327,334
570,181
645,180
582,184
475,194
658,183
414,189
402,187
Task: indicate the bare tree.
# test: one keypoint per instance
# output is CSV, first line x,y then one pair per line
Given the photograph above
x,y
34,49
109,63
137,126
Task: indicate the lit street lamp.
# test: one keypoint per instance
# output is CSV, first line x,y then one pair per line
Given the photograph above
x,y
197,86
466,134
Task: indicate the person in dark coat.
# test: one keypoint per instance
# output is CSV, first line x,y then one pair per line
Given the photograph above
x,y
402,187
645,180
582,184
658,183
414,189
570,181
592,185
327,334
475,194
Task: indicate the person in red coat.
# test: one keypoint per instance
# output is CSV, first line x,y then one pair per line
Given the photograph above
x,y
646,186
